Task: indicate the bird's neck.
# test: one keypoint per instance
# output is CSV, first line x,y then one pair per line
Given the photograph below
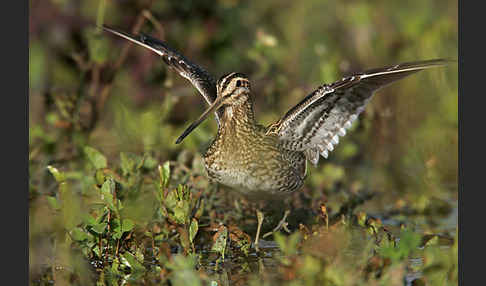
x,y
238,116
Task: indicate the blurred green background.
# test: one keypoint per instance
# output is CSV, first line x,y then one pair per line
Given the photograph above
x,y
89,88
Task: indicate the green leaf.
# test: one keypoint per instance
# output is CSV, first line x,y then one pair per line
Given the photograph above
x,y
361,217
95,157
116,228
101,218
149,162
120,228
178,205
200,210
182,193
127,225
100,176
294,240
52,201
181,212
409,241
99,228
58,175
287,244
107,190
160,237
131,261
193,228
127,163
115,265
220,239
170,200
97,251
280,240
88,219
164,172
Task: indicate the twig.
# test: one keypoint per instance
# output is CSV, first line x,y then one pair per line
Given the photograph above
x,y
282,224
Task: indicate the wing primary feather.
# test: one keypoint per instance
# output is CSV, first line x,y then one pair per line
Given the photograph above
x,y
317,121
203,81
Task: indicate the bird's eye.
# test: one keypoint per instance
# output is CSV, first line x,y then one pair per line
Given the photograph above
x,y
238,83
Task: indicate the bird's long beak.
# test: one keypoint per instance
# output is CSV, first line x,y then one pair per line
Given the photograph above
x,y
216,104
142,40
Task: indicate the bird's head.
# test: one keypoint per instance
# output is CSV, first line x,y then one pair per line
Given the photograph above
x,y
233,89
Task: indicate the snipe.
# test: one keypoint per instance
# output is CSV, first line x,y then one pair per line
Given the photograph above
x,y
258,160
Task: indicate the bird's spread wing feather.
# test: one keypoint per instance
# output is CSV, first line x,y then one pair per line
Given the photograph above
x,y
204,82
315,124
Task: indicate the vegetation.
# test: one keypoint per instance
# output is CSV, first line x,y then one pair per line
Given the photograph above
x,y
113,201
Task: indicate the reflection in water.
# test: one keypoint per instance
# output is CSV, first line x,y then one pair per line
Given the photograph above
x,y
238,270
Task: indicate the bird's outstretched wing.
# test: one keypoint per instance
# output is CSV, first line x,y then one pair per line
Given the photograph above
x,y
204,82
315,124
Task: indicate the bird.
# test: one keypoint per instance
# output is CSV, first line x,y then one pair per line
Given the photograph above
x,y
271,161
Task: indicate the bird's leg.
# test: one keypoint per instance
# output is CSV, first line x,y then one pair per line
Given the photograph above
x,y
282,224
260,221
